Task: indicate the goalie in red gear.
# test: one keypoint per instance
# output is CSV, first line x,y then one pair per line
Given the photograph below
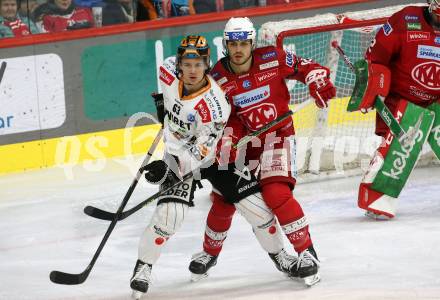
x,y
403,67
254,81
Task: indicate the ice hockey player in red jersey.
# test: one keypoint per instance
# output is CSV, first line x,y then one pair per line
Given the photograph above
x,y
404,68
254,81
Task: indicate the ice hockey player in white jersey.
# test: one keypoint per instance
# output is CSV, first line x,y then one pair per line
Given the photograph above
x,y
195,113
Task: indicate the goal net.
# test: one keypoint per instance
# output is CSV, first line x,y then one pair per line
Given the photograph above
x,y
331,141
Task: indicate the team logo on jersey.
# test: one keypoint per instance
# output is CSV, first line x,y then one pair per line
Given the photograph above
x,y
413,26
411,18
427,75
387,28
229,87
265,76
289,59
191,117
222,81
268,55
165,76
257,116
251,97
428,52
215,75
270,64
437,40
246,84
417,36
203,110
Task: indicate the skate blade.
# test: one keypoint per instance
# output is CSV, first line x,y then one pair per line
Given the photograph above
x,y
198,277
311,280
375,216
136,295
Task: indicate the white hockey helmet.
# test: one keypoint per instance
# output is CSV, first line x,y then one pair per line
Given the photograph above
x,y
239,29
434,7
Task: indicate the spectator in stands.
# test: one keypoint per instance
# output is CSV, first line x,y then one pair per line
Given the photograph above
x,y
168,8
11,23
272,2
61,15
207,6
117,12
236,4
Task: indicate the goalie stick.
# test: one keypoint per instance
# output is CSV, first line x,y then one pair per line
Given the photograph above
x,y
404,138
70,279
109,216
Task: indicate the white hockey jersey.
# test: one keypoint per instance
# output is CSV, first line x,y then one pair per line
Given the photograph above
x,y
193,124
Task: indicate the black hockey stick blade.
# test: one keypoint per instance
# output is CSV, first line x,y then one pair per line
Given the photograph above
x,y
98,213
67,278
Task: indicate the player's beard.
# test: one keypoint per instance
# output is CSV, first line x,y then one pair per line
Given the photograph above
x,y
242,63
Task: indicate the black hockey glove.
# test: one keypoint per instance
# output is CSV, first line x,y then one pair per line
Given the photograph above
x,y
155,171
158,101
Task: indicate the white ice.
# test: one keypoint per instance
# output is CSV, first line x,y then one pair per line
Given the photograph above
x,y
43,228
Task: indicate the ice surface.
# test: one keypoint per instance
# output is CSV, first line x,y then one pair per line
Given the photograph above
x,y
43,228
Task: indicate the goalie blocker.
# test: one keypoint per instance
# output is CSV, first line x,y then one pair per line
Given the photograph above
x,y
392,163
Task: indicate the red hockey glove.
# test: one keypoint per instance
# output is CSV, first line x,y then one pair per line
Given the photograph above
x,y
320,86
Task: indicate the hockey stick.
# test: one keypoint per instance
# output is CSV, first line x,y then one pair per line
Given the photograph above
x,y
404,138
105,215
68,278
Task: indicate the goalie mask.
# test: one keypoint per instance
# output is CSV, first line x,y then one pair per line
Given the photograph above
x,y
194,46
434,7
239,29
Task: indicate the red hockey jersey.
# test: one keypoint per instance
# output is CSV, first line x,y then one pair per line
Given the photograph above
x,y
261,95
410,47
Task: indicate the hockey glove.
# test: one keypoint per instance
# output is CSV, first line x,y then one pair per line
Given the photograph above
x,y
155,171
158,101
320,86
372,80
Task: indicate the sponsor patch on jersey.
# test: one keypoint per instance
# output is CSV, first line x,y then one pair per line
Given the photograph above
x,y
437,40
203,110
265,76
412,36
251,97
270,64
222,81
289,59
256,117
387,28
428,52
268,55
229,87
427,75
246,84
413,26
411,18
165,76
191,117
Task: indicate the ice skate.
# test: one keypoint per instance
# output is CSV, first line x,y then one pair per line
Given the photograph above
x,y
141,279
285,263
308,267
376,216
200,264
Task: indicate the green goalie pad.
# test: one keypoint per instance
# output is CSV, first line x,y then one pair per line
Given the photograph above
x,y
360,85
434,137
400,160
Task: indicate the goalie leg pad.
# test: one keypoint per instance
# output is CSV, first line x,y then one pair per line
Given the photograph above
x,y
434,136
399,161
167,219
265,227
